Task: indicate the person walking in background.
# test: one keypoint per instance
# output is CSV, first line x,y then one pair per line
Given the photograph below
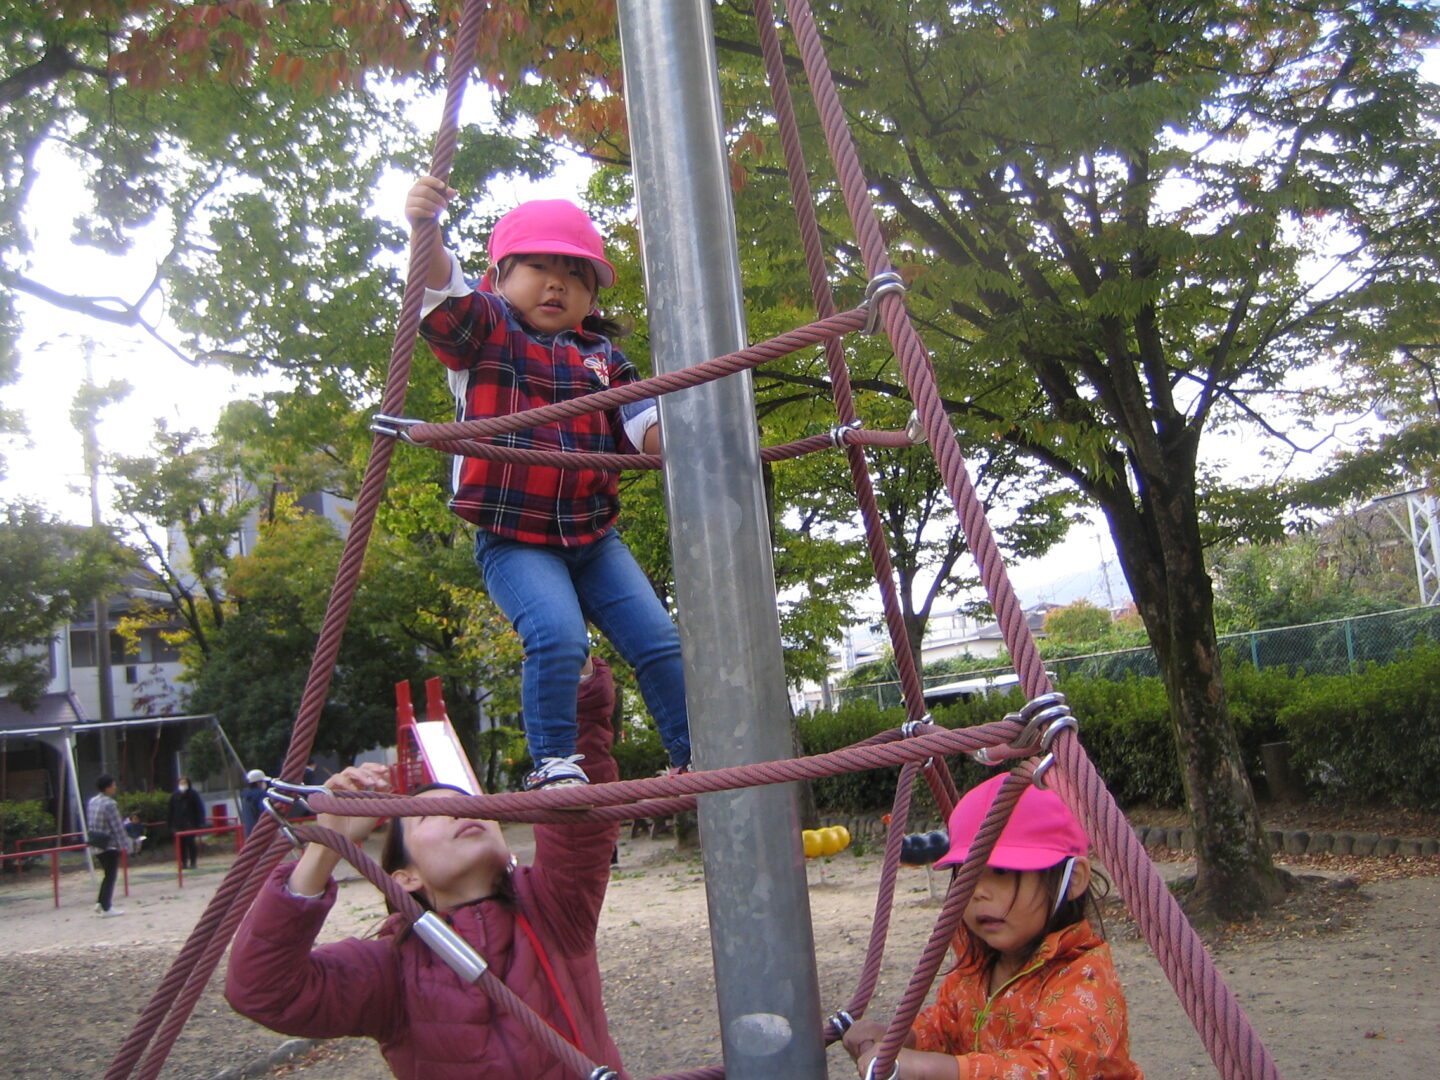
x,y
107,836
252,799
187,811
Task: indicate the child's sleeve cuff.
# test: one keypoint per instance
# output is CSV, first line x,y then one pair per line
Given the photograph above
x,y
457,286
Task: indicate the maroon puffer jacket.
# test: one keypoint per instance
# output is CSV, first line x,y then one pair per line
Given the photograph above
x,y
430,1024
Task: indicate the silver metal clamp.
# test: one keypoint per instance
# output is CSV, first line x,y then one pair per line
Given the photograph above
x,y
881,284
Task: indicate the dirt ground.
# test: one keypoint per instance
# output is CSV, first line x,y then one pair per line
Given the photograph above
x,y
1344,981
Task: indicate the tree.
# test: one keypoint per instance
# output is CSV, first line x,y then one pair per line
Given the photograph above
x,y
49,574
1080,621
189,504
1130,226
254,673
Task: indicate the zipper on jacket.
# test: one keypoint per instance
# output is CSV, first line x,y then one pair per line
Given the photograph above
x,y
984,1014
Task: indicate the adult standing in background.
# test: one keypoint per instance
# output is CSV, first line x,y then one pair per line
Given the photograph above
x,y
187,811
107,835
252,799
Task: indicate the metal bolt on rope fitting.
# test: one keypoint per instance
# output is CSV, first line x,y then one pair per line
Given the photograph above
x,y
841,1021
837,433
396,427
880,284
910,729
914,431
983,756
603,1072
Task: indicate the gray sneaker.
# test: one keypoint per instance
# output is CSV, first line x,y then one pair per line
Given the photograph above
x,y
555,771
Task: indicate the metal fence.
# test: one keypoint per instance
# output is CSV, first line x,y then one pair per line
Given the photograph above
x,y
1333,648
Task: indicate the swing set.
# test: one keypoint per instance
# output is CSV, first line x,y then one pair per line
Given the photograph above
x,y
765,977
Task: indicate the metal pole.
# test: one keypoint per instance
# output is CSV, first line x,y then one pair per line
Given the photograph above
x,y
761,939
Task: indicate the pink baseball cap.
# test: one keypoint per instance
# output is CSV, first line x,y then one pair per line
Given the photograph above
x,y
550,227
1041,832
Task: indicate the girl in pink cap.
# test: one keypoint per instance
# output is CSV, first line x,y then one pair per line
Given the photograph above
x,y
1034,991
546,541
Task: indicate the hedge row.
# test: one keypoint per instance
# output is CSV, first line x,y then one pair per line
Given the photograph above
x,y
1367,738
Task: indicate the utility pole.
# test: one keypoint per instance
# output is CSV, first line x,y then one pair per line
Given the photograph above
x,y
86,414
760,929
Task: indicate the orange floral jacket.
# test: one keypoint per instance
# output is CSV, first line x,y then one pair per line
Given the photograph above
x,y
1063,1017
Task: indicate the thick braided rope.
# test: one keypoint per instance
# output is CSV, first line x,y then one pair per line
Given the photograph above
x,y
714,368
1229,1037
583,459
1223,1025
583,801
804,203
915,364
884,897
948,921
191,970
564,1051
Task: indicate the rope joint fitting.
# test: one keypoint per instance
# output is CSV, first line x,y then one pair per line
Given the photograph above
x,y
880,285
912,729
837,433
914,431
293,794
394,427
450,947
841,1021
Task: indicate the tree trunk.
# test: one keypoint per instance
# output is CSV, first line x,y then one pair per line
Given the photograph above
x,y
1162,554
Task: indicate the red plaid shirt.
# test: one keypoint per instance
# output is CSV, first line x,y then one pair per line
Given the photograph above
x,y
498,366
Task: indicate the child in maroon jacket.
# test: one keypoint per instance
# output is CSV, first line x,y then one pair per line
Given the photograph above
x,y
534,925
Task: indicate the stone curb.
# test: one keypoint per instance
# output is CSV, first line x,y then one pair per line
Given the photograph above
x,y
261,1064
1288,841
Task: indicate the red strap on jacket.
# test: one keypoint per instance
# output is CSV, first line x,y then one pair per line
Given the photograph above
x,y
550,974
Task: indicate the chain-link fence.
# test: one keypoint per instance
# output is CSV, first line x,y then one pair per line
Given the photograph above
x,y
1334,648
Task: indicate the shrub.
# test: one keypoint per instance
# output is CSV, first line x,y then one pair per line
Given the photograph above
x,y
152,806
22,820
1373,737
826,731
640,753
502,758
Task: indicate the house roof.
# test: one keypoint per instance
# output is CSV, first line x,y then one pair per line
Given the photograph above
x,y
54,710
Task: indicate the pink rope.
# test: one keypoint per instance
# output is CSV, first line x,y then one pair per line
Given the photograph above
x,y
801,197
576,459
174,999
1229,1037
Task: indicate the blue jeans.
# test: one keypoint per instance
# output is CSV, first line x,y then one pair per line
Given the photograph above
x,y
548,593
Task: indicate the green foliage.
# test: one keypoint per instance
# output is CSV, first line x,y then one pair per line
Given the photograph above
x,y
21,820
501,759
152,806
1080,621
49,574
1373,737
824,732
1306,579
639,752
255,673
204,757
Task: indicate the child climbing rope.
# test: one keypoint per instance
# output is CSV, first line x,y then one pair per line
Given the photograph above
x,y
530,336
534,925
1034,991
